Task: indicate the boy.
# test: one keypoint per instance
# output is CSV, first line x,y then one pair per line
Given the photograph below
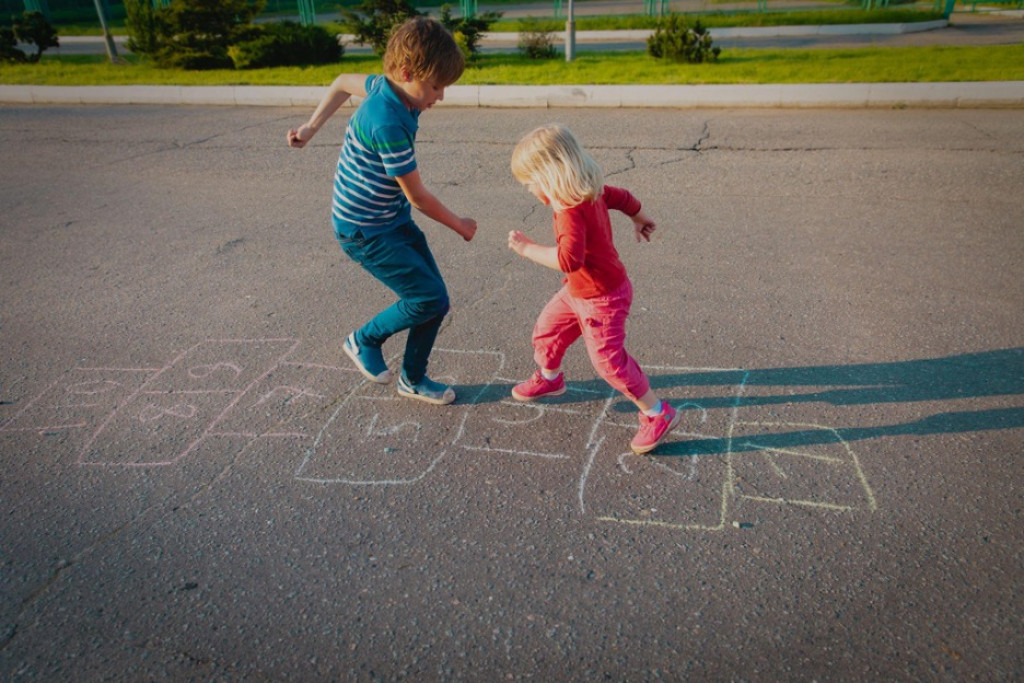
x,y
375,186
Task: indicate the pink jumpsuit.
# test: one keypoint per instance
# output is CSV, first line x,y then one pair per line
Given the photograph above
x,y
595,300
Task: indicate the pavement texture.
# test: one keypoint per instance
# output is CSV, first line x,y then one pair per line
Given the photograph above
x,y
198,486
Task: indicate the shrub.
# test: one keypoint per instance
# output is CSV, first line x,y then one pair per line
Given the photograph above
x,y
536,39
468,30
673,39
196,34
142,22
285,44
31,28
373,20
9,51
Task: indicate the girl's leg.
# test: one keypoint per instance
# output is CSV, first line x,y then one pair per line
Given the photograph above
x,y
604,332
604,322
648,403
557,328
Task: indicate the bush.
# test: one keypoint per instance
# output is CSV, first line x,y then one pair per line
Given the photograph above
x,y
285,44
673,39
468,30
142,22
196,34
31,28
373,20
536,39
9,51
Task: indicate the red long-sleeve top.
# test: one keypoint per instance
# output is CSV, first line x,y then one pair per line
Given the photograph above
x,y
586,251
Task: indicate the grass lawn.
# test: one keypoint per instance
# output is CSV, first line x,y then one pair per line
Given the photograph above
x,y
735,66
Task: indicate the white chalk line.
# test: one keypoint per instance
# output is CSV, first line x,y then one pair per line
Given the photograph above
x,y
593,442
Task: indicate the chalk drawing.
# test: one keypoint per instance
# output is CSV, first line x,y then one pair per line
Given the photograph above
x,y
351,432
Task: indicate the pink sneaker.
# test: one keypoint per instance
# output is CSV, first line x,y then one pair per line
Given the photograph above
x,y
654,429
539,386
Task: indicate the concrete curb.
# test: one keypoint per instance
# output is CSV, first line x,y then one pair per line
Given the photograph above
x,y
1004,94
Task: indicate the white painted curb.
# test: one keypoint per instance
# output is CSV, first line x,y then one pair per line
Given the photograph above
x,y
1008,94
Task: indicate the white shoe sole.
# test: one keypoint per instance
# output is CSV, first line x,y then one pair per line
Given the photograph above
x,y
527,399
382,378
647,449
447,397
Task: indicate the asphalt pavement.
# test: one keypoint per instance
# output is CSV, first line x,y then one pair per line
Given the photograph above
x,y
198,486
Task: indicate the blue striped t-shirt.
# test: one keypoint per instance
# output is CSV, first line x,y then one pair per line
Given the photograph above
x,y
378,147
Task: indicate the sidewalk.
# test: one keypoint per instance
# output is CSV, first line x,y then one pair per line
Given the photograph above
x,y
847,95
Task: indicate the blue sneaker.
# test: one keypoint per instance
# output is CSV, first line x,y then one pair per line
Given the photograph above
x,y
426,390
368,360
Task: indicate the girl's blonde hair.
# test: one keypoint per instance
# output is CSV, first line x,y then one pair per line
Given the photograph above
x,y
551,158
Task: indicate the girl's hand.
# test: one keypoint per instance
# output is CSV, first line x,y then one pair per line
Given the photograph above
x,y
643,226
298,137
517,241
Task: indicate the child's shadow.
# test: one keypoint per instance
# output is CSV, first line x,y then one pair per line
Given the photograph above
x,y
952,378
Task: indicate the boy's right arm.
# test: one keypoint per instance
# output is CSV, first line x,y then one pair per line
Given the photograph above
x,y
424,200
343,87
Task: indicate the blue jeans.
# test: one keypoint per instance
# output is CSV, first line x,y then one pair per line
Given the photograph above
x,y
402,261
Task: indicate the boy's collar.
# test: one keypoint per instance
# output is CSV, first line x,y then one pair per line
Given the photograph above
x,y
399,93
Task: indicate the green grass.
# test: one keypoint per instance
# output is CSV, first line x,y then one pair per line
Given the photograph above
x,y
736,66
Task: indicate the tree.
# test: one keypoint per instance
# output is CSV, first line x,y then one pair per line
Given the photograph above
x,y
373,20
9,51
34,29
196,34
142,21
468,30
673,39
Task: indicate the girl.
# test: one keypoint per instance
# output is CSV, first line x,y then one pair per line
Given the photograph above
x,y
594,302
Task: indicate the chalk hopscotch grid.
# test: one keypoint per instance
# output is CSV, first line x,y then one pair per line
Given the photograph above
x,y
145,390
594,442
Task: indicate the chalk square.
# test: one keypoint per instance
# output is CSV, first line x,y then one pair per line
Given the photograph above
x,y
556,429
684,483
681,491
155,428
375,437
81,399
293,399
222,365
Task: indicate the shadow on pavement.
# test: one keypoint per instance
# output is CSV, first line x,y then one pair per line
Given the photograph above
x,y
976,375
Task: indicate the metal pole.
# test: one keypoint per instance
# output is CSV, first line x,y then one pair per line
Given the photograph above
x,y
570,35
111,48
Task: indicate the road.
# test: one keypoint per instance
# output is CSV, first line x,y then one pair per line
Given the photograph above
x,y
197,485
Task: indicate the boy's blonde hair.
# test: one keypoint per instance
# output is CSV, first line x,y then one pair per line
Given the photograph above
x,y
553,159
426,49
